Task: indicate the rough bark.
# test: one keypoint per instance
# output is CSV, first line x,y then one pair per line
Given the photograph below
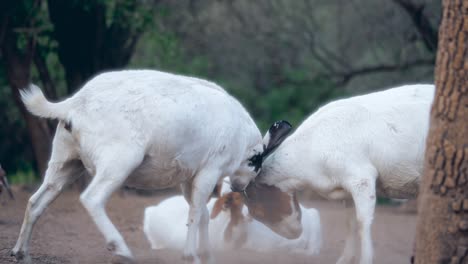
x,y
442,225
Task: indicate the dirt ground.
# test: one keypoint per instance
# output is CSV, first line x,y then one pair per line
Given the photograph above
x,y
66,234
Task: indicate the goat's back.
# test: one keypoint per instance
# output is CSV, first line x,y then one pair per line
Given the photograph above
x,y
181,124
161,108
383,130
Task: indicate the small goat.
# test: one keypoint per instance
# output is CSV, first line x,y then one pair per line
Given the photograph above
x,y
352,149
230,227
143,129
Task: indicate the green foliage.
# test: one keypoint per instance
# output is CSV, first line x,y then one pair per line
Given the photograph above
x,y
24,176
163,50
128,14
294,98
31,23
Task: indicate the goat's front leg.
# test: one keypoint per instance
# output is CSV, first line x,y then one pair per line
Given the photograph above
x,y
364,197
110,175
352,242
56,177
201,188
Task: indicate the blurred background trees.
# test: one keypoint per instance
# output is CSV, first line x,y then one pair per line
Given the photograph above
x,y
280,58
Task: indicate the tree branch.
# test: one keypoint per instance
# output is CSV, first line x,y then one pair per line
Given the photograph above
x,y
421,22
345,77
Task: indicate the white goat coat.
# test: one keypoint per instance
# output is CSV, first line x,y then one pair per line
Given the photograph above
x,y
164,228
144,129
382,131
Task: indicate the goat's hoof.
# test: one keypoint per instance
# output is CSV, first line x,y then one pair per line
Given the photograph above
x,y
118,259
190,259
206,257
20,256
345,260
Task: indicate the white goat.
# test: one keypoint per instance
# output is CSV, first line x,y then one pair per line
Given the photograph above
x,y
230,227
352,149
143,129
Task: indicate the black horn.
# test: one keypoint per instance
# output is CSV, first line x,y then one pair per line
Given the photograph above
x,y
275,135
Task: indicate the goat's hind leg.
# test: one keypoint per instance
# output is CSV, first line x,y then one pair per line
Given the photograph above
x,y
57,176
364,197
111,173
352,241
204,239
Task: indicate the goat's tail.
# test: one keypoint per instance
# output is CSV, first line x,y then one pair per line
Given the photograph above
x,y
38,105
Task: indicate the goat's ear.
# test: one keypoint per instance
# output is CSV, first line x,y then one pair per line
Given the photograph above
x,y
217,207
275,136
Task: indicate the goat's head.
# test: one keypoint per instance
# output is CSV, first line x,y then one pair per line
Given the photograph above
x,y
278,210
273,138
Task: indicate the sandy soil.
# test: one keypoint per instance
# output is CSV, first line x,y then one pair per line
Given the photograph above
x,y
66,234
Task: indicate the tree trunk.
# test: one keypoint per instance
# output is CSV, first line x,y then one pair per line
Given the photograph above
x,y
18,65
421,22
442,225
90,46
44,75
